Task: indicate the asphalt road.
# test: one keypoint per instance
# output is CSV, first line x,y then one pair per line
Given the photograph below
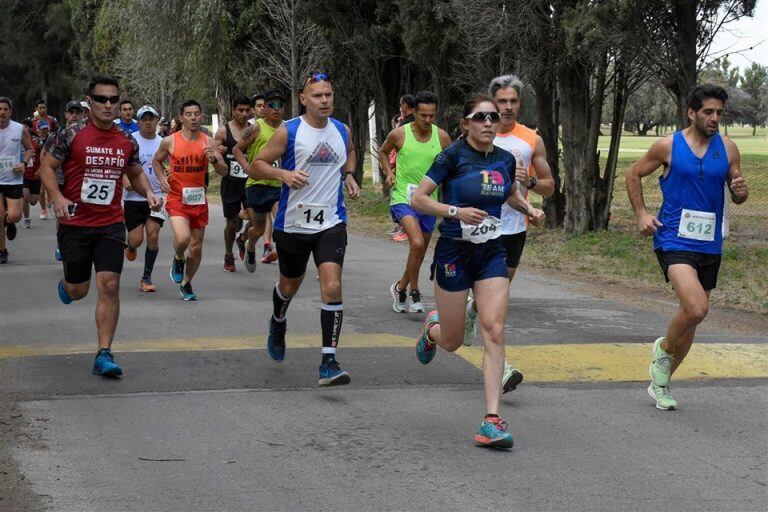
x,y
204,420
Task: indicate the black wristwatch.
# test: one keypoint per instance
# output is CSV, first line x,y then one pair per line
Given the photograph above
x,y
531,183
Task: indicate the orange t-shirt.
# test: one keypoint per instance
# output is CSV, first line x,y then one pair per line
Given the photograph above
x,y
188,169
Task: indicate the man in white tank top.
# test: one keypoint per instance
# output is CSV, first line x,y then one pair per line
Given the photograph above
x,y
15,152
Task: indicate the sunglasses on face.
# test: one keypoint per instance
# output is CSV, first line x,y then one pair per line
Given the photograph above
x,y
481,117
98,98
275,104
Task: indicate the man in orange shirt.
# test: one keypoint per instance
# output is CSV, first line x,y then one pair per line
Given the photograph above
x,y
190,152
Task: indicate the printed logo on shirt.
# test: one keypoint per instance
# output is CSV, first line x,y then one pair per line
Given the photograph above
x,y
323,154
493,183
716,154
450,270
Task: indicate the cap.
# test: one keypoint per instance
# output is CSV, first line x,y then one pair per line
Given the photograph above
x,y
146,109
43,125
274,94
74,104
85,106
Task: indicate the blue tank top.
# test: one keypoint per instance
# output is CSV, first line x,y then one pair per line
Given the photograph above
x,y
470,178
692,207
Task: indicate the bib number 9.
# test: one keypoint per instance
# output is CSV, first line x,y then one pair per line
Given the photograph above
x,y
97,191
236,170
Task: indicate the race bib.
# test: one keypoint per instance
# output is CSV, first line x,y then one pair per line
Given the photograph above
x,y
236,170
697,225
410,189
489,229
313,216
193,195
7,163
160,214
31,163
97,191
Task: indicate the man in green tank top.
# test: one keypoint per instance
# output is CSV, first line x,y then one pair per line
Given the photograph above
x,y
261,196
417,144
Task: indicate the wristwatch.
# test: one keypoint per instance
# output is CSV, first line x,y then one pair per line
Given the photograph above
x,y
452,211
531,183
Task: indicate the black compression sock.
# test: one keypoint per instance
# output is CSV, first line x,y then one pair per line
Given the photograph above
x,y
331,316
149,261
280,304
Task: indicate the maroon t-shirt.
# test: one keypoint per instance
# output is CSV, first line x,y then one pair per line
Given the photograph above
x,y
34,163
94,161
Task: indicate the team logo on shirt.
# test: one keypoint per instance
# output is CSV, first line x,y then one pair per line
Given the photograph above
x,y
323,154
493,183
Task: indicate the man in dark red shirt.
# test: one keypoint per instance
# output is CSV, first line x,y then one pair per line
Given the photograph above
x,y
94,154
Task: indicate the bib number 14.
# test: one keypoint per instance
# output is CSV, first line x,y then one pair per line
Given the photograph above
x,y
313,216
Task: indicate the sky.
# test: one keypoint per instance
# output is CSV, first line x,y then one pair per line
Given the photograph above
x,y
742,34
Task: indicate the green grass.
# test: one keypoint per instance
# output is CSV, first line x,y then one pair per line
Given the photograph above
x,y
748,144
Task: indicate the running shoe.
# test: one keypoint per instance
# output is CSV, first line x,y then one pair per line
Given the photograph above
x,y
415,305
240,246
146,285
177,270
63,295
185,290
3,256
331,374
512,377
270,255
395,229
400,237
425,349
130,254
276,339
27,223
229,262
10,230
493,434
43,215
470,327
250,261
661,366
399,298
57,254
105,365
664,400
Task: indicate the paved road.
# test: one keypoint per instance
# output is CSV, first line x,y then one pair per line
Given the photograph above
x,y
203,420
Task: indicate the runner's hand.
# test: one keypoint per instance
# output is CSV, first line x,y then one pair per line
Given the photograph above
x,y
536,216
155,203
471,216
164,185
353,189
739,187
389,182
19,168
647,224
61,207
222,149
521,174
295,179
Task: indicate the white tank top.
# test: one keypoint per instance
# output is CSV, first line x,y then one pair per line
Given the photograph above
x,y
512,221
11,154
147,150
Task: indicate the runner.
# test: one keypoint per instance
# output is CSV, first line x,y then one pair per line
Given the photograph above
x,y
318,163
14,141
405,116
533,173
41,114
687,234
190,153
258,103
417,144
126,121
138,216
476,179
31,174
95,154
262,194
233,183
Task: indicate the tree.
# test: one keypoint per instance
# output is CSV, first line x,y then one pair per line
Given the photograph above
x,y
755,83
649,107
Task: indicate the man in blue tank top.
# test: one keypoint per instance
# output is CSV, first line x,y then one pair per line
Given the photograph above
x,y
687,233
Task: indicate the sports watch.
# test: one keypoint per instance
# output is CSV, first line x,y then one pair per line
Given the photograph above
x,y
452,211
531,183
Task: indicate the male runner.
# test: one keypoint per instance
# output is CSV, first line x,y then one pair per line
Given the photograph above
x,y
534,173
417,144
233,183
31,174
190,153
687,234
126,122
258,103
95,154
41,114
138,215
14,141
318,163
407,109
262,195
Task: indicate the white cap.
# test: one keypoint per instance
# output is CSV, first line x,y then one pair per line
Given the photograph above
x,y
85,106
144,110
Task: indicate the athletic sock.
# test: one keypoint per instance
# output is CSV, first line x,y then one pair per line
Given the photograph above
x,y
331,316
490,416
149,261
280,304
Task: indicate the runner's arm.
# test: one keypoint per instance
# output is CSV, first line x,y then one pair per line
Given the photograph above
x,y
158,162
48,179
29,150
137,179
213,153
737,185
262,168
393,141
350,173
249,135
445,139
545,183
656,156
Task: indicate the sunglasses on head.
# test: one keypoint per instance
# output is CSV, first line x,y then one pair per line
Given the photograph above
x,y
481,117
317,76
275,104
98,98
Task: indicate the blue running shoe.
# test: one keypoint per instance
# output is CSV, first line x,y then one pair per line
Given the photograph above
x,y
276,339
425,349
493,434
105,365
57,254
177,270
185,290
331,374
63,295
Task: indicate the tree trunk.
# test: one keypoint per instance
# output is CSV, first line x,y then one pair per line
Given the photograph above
x,y
685,45
546,109
593,130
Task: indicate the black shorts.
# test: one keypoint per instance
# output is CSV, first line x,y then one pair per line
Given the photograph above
x,y
33,186
513,245
85,247
232,196
293,249
707,266
261,198
137,213
12,191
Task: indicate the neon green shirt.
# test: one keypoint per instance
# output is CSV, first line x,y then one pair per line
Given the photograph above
x,y
413,161
265,133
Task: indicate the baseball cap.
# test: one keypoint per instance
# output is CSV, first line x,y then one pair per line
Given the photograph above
x,y
146,109
43,125
274,94
74,104
85,106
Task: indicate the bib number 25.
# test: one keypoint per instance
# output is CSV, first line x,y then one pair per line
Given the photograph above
x,y
96,191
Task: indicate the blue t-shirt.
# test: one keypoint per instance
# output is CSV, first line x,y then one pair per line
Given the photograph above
x,y
133,126
471,178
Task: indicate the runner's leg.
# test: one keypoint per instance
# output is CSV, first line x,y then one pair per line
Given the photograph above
x,y
194,254
694,306
107,307
492,296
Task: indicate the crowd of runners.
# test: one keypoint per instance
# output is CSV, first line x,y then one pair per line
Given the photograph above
x,y
112,182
